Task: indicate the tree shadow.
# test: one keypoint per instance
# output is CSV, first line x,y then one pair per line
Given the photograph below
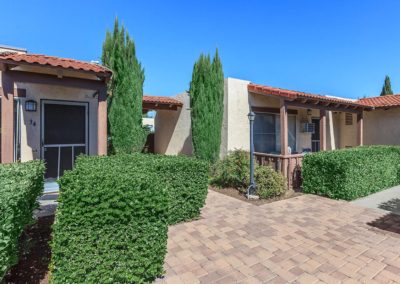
x,y
392,205
390,222
34,254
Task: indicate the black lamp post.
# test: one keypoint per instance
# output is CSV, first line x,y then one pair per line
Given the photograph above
x,y
252,187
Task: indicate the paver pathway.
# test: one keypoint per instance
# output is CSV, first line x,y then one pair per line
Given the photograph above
x,y
306,239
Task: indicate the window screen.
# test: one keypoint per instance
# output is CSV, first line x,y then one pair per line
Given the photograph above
x,y
267,129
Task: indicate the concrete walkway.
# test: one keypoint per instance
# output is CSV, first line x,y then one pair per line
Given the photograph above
x,y
48,205
306,239
387,200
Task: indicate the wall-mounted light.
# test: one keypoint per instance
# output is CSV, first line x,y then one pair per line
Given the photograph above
x,y
309,112
30,105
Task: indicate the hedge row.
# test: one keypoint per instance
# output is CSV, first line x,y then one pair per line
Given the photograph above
x,y
186,178
20,186
112,220
351,173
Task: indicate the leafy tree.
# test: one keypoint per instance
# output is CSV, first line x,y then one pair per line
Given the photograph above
x,y
387,87
206,100
125,129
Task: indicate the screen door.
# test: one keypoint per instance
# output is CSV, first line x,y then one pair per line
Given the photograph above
x,y
64,135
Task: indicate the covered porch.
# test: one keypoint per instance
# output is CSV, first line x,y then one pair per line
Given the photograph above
x,y
291,124
51,109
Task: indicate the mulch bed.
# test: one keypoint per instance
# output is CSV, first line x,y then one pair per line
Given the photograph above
x,y
233,192
35,254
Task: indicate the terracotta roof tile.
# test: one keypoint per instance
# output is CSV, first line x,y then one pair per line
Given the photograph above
x,y
293,95
161,100
51,61
382,101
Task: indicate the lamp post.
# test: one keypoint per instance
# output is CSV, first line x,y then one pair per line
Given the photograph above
x,y
252,187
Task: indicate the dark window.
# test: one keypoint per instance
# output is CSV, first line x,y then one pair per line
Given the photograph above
x,y
267,137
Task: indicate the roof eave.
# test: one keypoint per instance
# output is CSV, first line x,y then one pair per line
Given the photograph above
x,y
15,63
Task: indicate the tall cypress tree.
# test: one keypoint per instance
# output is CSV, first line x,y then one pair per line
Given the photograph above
x,y
387,87
125,128
206,100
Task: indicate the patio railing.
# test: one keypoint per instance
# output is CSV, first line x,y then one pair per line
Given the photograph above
x,y
288,165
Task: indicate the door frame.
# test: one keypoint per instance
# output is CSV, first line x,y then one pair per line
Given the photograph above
x,y
319,139
62,102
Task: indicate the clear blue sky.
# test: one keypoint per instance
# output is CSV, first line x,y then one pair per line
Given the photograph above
x,y
342,48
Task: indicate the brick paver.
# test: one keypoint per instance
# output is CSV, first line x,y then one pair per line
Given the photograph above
x,y
306,239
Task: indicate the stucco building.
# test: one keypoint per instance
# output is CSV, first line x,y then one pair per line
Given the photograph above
x,y
52,108
287,123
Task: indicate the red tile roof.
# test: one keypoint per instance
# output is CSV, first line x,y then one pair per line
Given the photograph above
x,y
161,100
51,61
382,102
292,95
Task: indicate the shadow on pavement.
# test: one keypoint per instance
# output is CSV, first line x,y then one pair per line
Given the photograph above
x,y
390,222
392,205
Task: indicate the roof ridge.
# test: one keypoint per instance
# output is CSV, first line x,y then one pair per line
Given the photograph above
x,y
379,97
303,93
60,58
49,60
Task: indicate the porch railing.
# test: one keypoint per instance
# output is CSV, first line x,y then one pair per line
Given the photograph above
x,y
288,165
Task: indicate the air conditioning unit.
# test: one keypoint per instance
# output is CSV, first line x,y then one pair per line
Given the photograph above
x,y
308,127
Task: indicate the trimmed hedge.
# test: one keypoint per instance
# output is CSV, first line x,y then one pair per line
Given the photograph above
x,y
351,173
20,186
111,223
186,178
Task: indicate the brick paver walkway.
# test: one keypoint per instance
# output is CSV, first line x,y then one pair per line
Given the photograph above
x,y
307,239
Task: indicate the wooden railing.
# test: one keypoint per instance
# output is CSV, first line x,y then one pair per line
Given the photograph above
x,y
288,165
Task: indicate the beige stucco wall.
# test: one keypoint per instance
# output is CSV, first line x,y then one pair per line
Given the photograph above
x,y
235,123
348,133
382,127
172,134
31,121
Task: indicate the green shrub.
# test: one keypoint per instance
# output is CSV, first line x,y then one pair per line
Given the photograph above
x,y
232,171
20,186
269,182
351,173
186,178
111,224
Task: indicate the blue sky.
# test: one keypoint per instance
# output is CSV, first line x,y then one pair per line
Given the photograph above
x,y
341,48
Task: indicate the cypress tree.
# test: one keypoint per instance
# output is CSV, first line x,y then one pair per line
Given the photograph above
x,y
387,87
206,100
125,129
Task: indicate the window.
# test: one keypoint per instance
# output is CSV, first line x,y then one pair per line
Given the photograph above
x,y
349,118
267,138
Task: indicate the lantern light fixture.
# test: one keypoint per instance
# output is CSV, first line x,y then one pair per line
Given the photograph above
x,y
30,105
